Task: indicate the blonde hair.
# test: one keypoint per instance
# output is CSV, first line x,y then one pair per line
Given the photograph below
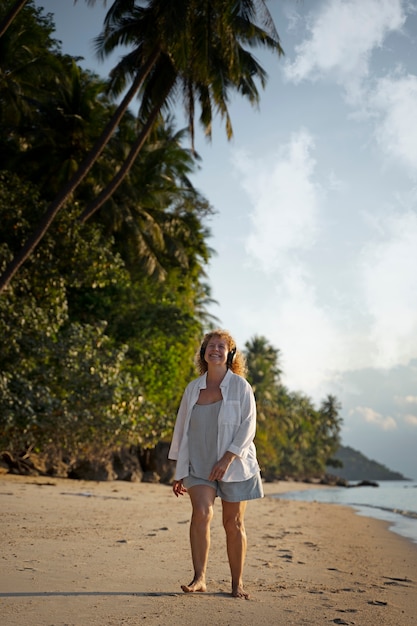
x,y
237,366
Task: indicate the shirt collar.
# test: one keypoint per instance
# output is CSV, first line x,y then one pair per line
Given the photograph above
x,y
224,383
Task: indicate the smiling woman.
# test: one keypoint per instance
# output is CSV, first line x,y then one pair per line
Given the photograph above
x,y
213,446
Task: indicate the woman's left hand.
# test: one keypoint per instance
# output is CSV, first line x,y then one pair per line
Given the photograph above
x,y
221,467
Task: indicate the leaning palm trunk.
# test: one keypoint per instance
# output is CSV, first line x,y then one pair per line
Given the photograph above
x,y
18,6
79,175
137,146
206,55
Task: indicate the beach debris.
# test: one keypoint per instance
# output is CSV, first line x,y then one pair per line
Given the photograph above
x,y
378,602
397,581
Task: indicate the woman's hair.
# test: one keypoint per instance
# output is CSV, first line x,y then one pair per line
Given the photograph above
x,y
237,364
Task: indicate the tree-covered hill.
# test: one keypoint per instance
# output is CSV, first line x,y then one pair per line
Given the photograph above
x,y
356,466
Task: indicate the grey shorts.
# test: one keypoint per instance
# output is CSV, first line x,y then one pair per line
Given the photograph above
x,y
230,492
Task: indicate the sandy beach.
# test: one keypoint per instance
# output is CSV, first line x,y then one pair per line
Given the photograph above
x,y
115,553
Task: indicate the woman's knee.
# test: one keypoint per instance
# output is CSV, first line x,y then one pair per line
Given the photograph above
x,y
202,500
202,514
234,524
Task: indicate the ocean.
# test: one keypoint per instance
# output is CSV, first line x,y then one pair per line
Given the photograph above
x,y
393,501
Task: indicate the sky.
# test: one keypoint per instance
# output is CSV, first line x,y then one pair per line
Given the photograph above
x,y
315,229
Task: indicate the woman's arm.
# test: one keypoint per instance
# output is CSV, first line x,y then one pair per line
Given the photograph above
x,y
246,431
179,427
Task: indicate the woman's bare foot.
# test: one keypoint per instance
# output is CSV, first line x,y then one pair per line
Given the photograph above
x,y
194,586
239,592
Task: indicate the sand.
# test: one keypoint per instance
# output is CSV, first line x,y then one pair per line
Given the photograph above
x,y
79,553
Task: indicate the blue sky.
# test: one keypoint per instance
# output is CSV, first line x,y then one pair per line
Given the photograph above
x,y
316,198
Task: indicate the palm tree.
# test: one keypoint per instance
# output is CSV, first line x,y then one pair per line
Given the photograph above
x,y
263,368
205,72
204,54
155,215
68,120
9,17
27,58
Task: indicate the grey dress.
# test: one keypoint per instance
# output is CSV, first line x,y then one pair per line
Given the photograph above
x,y
202,437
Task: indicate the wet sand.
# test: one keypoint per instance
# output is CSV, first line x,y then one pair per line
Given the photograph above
x,y
80,553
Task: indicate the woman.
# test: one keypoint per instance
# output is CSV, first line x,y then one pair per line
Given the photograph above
x,y
213,446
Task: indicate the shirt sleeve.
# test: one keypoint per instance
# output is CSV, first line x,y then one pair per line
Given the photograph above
x,y
246,431
179,427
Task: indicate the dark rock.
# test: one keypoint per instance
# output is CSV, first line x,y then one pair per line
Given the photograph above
x,y
151,477
365,483
333,481
56,468
50,463
126,465
91,469
156,460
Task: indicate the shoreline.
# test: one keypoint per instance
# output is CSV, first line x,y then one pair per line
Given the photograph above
x,y
400,521
81,553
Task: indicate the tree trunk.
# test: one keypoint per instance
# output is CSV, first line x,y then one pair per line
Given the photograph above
x,y
79,175
108,191
18,6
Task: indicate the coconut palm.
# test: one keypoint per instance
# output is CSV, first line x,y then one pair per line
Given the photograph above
x,y
9,17
263,366
207,67
203,55
27,57
155,215
69,118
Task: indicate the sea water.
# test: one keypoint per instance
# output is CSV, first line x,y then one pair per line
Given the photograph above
x,y
392,501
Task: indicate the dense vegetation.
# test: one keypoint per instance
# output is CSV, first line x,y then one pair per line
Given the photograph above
x,y
101,321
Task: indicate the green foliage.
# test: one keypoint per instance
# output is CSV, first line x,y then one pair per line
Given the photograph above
x,y
89,285
29,59
75,303
70,113
62,383
293,438
74,396
98,356
100,326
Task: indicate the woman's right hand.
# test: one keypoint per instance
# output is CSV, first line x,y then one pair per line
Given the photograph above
x,y
178,488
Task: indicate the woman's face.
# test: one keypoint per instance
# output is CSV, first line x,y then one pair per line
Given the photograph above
x,y
216,351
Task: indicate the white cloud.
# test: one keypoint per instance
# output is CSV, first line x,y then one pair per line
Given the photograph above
x,y
411,420
307,333
288,228
293,319
373,417
389,288
402,400
395,101
285,226
284,199
343,35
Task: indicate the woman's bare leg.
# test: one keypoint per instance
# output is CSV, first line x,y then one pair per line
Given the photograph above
x,y
233,522
202,500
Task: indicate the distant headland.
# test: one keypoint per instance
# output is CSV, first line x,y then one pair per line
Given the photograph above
x,y
356,466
